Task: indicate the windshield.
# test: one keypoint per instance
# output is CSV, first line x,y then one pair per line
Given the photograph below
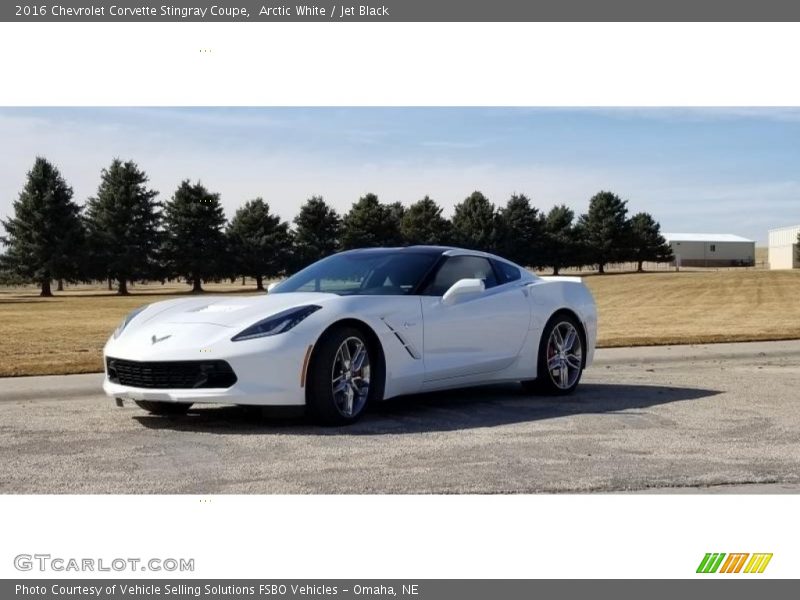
x,y
368,273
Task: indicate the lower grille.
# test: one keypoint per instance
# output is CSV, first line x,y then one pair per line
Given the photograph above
x,y
185,374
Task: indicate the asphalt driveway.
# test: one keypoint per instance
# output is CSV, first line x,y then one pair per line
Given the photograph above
x,y
682,418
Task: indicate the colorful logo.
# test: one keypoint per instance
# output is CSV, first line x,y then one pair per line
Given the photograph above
x,y
734,563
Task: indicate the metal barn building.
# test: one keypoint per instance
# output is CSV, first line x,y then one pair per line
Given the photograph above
x,y
711,249
783,248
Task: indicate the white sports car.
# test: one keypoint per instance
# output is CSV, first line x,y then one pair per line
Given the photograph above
x,y
358,327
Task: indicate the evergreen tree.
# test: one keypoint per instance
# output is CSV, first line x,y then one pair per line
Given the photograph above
x,y
123,225
474,223
797,250
646,241
560,247
259,241
605,229
194,244
45,237
317,229
520,229
423,223
370,224
396,213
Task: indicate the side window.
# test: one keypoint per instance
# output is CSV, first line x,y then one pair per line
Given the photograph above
x,y
506,272
460,267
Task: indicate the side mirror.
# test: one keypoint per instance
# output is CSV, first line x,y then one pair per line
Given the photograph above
x,y
461,289
272,286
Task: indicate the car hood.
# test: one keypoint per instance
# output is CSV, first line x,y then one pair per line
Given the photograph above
x,y
241,311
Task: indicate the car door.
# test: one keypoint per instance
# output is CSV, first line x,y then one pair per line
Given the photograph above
x,y
478,334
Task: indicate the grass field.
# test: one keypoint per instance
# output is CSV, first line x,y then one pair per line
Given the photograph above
x,y
694,307
66,334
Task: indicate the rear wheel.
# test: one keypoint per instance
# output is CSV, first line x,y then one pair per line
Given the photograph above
x,y
339,377
560,359
163,408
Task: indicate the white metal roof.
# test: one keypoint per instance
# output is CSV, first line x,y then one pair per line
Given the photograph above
x,y
786,228
704,237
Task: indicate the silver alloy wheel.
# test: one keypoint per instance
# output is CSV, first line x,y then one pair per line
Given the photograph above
x,y
564,355
350,377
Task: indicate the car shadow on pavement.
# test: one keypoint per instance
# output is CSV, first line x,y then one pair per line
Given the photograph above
x,y
486,406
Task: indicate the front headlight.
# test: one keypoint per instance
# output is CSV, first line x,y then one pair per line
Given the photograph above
x,y
128,318
279,323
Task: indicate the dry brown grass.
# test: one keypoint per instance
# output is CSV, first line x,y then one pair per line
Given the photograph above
x,y
66,334
692,307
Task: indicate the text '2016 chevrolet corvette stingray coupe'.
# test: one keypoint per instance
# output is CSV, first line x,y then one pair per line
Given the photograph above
x,y
358,327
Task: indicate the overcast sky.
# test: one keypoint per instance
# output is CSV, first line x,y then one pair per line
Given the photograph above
x,y
696,170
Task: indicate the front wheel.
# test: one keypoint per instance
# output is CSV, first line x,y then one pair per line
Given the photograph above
x,y
163,408
561,358
339,381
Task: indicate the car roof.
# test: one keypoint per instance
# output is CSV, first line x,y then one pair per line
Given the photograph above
x,y
440,251
434,250
431,250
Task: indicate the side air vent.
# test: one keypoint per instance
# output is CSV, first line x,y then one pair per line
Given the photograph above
x,y
406,344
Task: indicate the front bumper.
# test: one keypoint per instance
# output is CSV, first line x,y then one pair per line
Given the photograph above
x,y
263,378
263,397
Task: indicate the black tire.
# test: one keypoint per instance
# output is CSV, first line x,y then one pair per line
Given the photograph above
x,y
546,383
164,408
327,366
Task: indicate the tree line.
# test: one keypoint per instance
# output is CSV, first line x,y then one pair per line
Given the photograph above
x,y
124,234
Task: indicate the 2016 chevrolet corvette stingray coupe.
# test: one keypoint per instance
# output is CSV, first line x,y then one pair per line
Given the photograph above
x,y
358,327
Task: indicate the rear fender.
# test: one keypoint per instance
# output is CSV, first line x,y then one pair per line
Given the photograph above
x,y
548,295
